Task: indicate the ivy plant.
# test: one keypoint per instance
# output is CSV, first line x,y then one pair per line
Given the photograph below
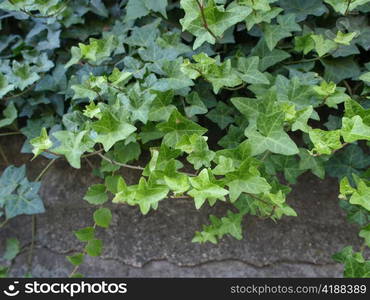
x,y
209,100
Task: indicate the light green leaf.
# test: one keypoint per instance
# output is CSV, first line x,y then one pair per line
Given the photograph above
x,y
204,187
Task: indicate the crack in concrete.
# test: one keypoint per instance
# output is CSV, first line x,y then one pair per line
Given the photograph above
x,y
195,265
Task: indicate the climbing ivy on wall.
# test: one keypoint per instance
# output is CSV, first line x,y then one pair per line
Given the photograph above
x,y
211,100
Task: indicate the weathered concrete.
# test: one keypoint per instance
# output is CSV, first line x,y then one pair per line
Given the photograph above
x,y
159,244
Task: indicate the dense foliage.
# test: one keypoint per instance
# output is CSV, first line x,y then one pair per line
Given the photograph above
x,y
221,100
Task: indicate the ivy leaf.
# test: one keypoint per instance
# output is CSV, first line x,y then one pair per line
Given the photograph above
x,y
111,130
260,16
5,87
274,33
221,115
246,179
322,45
41,143
23,75
12,249
310,162
304,43
350,160
354,129
355,265
344,38
96,194
10,115
141,8
365,233
343,6
197,148
204,187
268,58
231,224
103,217
197,106
76,259
215,72
340,68
218,19
325,142
25,201
73,145
176,127
361,196
85,234
248,67
302,8
161,107
94,247
145,194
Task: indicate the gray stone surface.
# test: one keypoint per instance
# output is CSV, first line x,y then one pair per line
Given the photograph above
x,y
159,244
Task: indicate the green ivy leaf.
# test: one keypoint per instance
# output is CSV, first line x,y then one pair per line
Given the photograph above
x,y
205,187
85,234
94,247
73,146
176,127
41,143
10,115
274,33
218,19
355,265
111,130
103,217
96,194
12,249
76,259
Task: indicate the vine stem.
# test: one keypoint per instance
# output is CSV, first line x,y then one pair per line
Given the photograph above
x,y
306,60
34,220
10,133
348,5
2,153
120,164
43,172
20,94
133,167
75,269
4,223
204,19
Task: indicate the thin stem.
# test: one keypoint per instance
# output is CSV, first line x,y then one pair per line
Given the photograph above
x,y
10,133
21,93
113,162
75,269
348,5
204,19
348,88
305,60
32,246
4,223
234,88
120,164
2,153
43,172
